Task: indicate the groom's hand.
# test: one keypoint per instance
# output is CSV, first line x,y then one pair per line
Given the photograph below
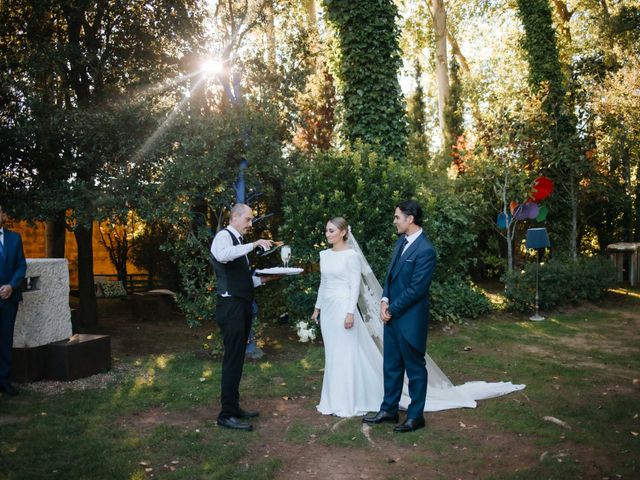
x,y
385,316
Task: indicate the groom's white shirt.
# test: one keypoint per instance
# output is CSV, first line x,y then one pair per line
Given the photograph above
x,y
225,251
410,239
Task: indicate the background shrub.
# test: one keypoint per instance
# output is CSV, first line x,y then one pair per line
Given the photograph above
x,y
561,281
456,299
364,187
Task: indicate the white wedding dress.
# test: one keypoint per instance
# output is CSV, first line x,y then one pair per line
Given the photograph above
x,y
352,383
353,374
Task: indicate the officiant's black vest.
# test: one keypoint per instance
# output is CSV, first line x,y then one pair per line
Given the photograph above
x,y
234,277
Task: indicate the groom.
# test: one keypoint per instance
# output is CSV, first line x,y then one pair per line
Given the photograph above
x,y
404,309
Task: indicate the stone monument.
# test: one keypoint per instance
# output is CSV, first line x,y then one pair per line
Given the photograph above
x,y
44,315
43,342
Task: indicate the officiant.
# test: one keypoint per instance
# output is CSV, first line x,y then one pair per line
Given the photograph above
x,y
235,292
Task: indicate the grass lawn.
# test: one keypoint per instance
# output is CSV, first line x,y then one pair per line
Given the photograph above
x,y
154,415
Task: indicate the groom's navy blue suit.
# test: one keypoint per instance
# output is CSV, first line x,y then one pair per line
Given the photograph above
x,y
405,335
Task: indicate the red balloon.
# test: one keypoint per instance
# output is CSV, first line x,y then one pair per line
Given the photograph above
x,y
542,188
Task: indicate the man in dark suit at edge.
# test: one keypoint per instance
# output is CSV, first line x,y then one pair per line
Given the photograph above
x,y
13,268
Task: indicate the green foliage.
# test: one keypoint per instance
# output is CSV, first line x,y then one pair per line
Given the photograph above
x,y
539,42
364,187
358,184
452,223
195,187
561,281
367,67
146,253
196,297
454,111
455,299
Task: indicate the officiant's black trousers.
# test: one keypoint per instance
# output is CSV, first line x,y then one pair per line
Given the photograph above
x,y
234,316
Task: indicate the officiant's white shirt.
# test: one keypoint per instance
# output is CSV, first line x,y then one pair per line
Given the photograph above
x,y
224,251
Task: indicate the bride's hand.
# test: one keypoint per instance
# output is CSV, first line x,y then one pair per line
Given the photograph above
x,y
348,321
314,315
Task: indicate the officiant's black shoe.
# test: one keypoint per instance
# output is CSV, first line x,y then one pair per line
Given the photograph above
x,y
234,423
246,414
380,417
409,425
8,389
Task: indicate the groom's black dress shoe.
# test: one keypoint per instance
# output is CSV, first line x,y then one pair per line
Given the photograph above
x,y
234,423
246,414
8,389
380,417
409,425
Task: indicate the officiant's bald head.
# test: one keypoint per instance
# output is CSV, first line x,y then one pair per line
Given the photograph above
x,y
241,217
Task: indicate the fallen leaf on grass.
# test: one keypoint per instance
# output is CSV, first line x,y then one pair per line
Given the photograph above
x,y
635,434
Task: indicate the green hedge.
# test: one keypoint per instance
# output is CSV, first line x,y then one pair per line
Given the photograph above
x,y
456,299
561,281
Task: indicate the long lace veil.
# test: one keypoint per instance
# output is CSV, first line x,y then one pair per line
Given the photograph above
x,y
369,308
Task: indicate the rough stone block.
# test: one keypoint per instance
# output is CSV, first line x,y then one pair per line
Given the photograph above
x,y
44,315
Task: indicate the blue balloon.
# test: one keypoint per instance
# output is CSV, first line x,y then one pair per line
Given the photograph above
x,y
504,220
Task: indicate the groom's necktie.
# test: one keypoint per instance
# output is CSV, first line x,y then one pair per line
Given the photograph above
x,y
399,252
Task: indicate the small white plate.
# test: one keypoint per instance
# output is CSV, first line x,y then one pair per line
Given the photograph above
x,y
279,271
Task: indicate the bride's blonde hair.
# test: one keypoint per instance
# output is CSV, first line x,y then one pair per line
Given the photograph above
x,y
342,225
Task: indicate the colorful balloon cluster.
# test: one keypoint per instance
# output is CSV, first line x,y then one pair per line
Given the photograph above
x,y
530,209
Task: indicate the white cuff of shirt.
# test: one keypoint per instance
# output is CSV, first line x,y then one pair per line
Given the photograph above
x,y
385,300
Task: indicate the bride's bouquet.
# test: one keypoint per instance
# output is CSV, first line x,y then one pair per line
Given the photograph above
x,y
306,331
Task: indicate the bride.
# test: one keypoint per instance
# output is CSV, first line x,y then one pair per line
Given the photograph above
x,y
347,307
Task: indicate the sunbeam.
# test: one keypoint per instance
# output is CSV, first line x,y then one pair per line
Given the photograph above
x,y
155,136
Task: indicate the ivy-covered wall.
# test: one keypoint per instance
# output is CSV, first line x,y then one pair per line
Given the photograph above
x,y
367,59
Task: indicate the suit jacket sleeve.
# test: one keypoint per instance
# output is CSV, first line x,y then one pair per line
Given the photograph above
x,y
20,266
419,286
385,287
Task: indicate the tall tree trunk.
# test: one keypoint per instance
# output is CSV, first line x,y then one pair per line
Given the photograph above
x,y
565,16
573,239
310,13
438,14
636,237
55,232
270,29
88,302
627,209
455,49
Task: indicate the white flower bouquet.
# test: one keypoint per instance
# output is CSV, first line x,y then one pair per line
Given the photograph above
x,y
306,331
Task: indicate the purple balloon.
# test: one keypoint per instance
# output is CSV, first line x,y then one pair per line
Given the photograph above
x,y
531,210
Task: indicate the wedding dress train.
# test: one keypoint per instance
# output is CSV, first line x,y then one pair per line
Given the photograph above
x,y
441,393
353,377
